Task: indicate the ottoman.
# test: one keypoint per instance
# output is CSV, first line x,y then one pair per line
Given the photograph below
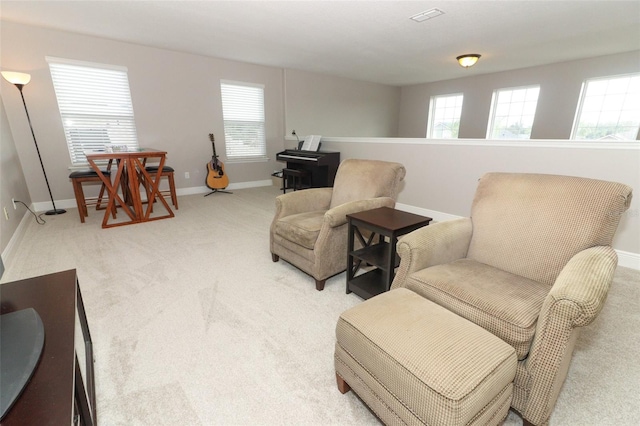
x,y
414,362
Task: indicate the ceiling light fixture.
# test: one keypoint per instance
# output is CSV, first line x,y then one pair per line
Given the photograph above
x,y
468,60
427,14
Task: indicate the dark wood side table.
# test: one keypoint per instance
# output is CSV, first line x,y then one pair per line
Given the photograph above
x,y
61,390
381,254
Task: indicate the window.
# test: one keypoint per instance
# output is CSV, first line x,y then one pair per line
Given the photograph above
x,y
243,114
609,108
512,113
444,116
95,106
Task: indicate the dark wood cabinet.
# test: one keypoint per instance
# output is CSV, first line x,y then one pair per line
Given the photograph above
x,y
62,388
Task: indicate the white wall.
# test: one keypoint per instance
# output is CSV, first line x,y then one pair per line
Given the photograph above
x,y
560,86
446,171
12,180
176,100
177,113
442,176
12,183
317,104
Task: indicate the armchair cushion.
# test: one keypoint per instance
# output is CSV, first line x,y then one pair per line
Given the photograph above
x,y
303,228
505,304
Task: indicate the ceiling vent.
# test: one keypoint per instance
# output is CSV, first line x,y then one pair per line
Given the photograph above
x,y
427,14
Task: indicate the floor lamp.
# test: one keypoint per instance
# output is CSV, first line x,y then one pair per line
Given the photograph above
x,y
19,79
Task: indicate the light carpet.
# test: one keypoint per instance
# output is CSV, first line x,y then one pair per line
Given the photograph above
x,y
193,324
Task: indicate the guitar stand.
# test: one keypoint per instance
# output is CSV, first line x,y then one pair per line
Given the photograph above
x,y
218,190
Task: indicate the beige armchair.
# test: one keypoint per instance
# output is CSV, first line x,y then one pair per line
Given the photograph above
x,y
309,229
531,265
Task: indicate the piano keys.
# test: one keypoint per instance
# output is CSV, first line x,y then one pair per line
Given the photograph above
x,y
321,165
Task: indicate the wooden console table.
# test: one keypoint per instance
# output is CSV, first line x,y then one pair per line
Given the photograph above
x,y
62,388
384,222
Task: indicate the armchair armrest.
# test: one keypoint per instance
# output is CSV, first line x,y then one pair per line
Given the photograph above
x,y
338,215
576,298
583,283
432,245
303,201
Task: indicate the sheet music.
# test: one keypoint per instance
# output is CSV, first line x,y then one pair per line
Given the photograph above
x,y
311,143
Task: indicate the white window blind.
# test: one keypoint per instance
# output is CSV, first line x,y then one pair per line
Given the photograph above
x,y
609,109
444,116
95,107
243,114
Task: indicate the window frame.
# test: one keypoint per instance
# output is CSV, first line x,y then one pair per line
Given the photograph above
x,y
99,123
494,107
581,102
433,101
260,151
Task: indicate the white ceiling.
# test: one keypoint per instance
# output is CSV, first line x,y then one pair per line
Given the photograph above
x,y
365,40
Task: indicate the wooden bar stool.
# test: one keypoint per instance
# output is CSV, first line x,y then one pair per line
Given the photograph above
x,y
295,176
167,172
80,177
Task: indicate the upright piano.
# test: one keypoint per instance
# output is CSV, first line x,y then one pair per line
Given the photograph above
x,y
321,165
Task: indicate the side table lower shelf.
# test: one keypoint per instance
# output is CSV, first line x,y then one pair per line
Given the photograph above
x,y
368,284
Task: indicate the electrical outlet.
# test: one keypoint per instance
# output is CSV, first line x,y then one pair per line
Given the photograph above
x,y
186,175
13,201
6,213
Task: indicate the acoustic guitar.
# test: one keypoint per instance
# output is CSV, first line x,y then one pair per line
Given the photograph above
x,y
216,177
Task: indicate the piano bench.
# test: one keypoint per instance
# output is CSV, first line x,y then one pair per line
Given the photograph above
x,y
295,176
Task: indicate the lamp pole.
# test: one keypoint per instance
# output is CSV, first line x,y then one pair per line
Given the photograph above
x,y
49,212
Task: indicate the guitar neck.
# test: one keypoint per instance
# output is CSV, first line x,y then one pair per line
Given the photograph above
x,y
213,145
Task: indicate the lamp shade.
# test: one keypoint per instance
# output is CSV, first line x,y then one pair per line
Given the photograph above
x,y
16,77
468,60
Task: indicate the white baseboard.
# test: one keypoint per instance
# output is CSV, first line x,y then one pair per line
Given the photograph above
x,y
435,215
70,203
628,259
9,250
60,204
625,258
240,185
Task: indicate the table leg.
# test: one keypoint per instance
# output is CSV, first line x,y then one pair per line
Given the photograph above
x,y
112,190
153,183
393,240
134,188
350,272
